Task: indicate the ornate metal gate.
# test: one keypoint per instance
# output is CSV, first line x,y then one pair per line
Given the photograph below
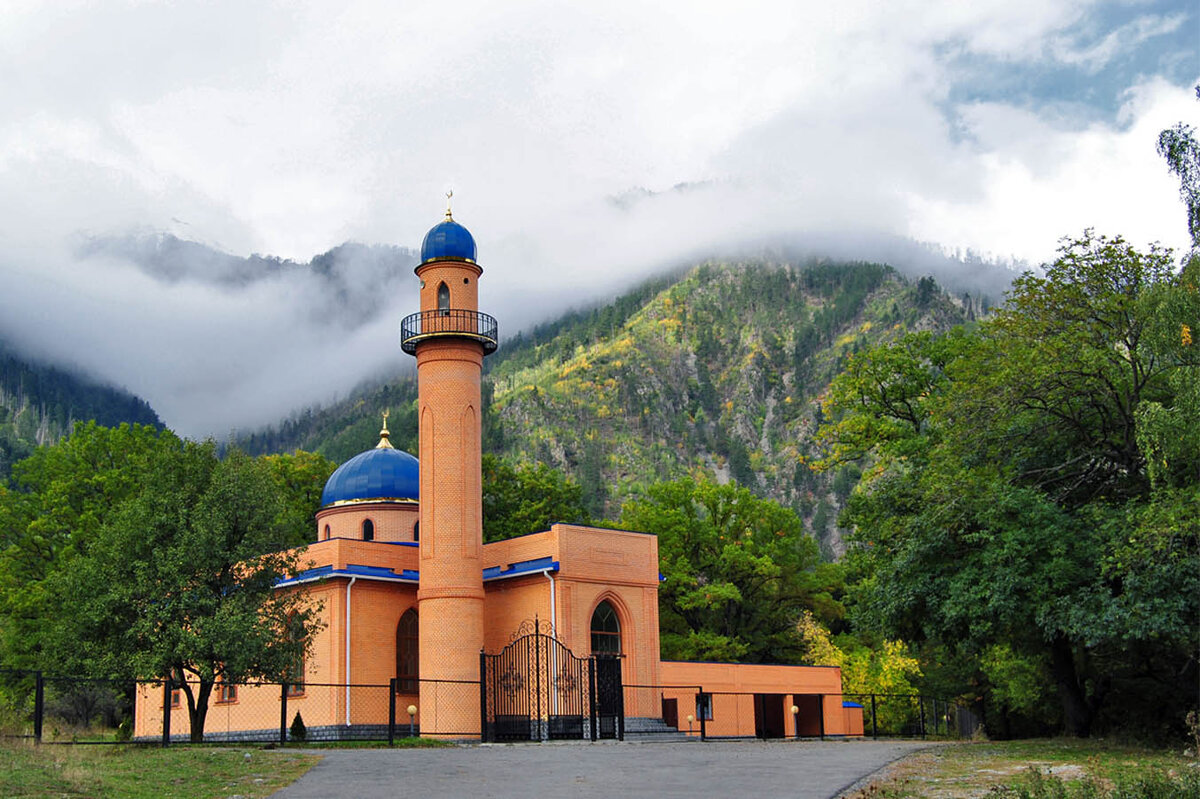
x,y
536,689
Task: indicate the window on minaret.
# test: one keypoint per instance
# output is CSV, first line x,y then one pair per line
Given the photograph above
x,y
606,630
407,660
368,530
444,299
416,531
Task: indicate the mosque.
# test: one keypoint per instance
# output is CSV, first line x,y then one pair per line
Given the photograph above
x,y
553,634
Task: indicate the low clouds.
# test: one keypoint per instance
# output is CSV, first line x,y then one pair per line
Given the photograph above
x,y
287,129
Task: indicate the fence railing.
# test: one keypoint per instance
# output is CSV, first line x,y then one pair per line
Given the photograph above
x,y
55,709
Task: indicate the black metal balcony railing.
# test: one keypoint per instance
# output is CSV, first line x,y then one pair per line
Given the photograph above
x,y
422,325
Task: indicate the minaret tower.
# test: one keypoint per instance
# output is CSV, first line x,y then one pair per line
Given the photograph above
x,y
450,337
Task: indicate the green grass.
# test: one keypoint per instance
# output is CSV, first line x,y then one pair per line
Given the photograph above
x,y
1040,769
133,772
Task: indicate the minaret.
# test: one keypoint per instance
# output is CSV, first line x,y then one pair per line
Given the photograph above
x,y
449,336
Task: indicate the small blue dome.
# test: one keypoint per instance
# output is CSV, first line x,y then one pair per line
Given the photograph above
x,y
448,240
380,473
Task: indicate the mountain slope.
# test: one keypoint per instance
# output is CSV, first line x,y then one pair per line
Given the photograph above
x,y
39,404
718,371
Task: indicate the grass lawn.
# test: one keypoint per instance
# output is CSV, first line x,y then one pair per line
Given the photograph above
x,y
1068,768
133,772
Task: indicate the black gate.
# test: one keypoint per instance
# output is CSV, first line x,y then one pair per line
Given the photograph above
x,y
536,689
609,708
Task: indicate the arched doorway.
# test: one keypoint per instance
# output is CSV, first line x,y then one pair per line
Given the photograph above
x,y
407,653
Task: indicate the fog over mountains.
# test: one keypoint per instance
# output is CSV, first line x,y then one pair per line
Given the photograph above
x,y
217,342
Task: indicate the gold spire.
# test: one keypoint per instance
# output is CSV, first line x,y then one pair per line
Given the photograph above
x,y
449,194
383,435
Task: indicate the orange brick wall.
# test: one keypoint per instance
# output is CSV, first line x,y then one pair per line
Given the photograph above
x,y
342,552
393,520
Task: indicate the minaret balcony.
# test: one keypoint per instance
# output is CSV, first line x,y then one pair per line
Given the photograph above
x,y
456,322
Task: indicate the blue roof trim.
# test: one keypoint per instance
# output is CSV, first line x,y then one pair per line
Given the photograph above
x,y
412,575
524,567
353,570
851,704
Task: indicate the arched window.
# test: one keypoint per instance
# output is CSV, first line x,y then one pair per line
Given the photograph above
x,y
368,530
606,630
416,531
407,660
327,531
444,298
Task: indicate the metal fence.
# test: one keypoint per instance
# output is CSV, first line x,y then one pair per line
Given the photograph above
x,y
54,709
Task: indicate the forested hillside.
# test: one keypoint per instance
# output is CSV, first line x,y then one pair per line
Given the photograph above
x,y
39,404
718,370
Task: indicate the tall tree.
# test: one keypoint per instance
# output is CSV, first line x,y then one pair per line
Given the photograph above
x,y
1012,483
1179,147
62,496
737,571
527,498
180,582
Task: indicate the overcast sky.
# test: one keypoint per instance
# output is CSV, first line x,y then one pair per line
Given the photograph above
x,y
997,126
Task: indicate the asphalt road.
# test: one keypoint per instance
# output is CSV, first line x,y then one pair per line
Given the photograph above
x,y
796,769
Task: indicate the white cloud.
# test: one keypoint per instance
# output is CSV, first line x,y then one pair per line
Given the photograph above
x,y
287,128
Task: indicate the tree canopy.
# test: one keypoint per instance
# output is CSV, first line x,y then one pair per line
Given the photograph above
x,y
1031,482
132,553
737,571
527,498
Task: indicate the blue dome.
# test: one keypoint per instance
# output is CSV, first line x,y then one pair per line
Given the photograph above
x,y
381,473
448,240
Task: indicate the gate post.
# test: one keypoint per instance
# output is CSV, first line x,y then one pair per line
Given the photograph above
x,y
483,727
821,713
283,688
620,701
921,706
392,712
39,705
703,715
874,728
166,735
592,695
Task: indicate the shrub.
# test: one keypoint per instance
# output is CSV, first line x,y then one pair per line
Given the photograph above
x,y
298,732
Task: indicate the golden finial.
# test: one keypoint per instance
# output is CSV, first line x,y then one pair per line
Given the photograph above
x,y
383,434
449,194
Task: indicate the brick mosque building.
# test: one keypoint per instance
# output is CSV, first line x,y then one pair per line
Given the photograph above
x,y
553,634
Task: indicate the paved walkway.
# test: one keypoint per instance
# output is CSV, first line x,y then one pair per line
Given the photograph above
x,y
795,769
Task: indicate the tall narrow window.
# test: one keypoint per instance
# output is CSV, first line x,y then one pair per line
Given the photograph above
x,y
295,672
416,531
444,299
368,530
606,630
327,531
407,660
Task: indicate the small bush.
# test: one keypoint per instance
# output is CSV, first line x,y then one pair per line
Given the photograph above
x,y
299,732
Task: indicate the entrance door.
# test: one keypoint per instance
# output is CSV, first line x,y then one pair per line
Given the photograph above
x,y
536,689
808,720
610,697
768,716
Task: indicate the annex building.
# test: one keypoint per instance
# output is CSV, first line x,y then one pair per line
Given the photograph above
x,y
554,634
